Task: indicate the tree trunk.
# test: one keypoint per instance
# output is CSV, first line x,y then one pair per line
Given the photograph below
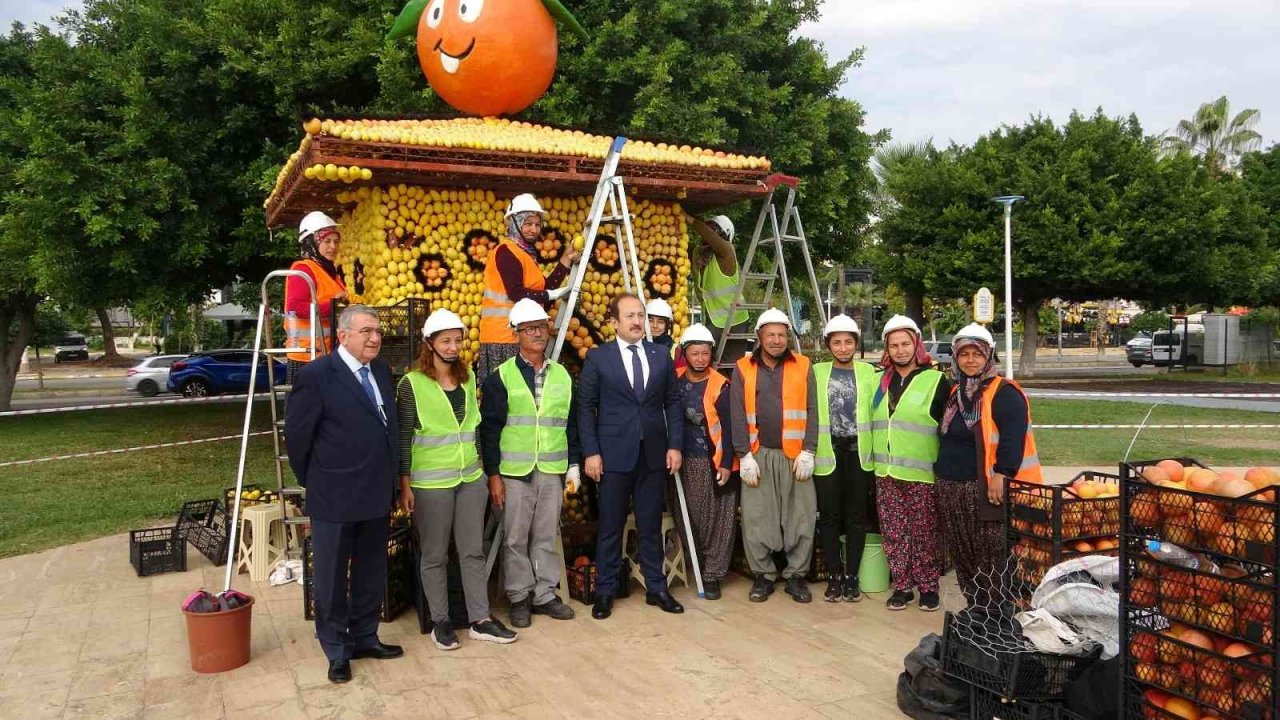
x,y
914,301
1030,338
20,308
108,335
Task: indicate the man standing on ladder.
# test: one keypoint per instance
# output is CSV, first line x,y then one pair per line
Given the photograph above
x,y
715,264
529,443
773,403
511,274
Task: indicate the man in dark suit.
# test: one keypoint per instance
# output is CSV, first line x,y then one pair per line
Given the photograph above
x,y
341,434
629,422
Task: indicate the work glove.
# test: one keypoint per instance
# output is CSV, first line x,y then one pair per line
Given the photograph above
x,y
572,479
803,466
554,295
749,470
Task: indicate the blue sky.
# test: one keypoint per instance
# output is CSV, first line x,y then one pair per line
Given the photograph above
x,y
955,69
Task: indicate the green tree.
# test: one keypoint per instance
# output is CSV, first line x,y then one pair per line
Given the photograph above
x,y
1214,134
1261,174
18,293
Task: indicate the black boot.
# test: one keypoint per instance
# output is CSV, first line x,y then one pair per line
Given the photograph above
x,y
835,588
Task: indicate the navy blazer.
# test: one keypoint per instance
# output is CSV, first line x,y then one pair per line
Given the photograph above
x,y
339,448
611,421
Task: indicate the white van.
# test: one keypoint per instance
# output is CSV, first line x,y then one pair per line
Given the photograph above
x,y
1178,348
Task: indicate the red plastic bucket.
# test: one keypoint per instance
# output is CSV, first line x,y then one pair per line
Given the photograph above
x,y
219,641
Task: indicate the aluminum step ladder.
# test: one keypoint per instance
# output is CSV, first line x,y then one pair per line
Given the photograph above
x,y
265,350
759,285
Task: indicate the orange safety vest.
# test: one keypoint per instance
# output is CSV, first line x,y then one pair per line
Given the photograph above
x,y
496,305
715,383
297,330
1030,470
795,402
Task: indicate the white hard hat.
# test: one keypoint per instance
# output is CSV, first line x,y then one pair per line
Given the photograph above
x,y
661,308
442,319
899,322
524,202
724,224
525,311
770,316
696,333
314,222
974,331
841,323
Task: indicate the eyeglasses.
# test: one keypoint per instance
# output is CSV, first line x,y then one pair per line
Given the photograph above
x,y
532,329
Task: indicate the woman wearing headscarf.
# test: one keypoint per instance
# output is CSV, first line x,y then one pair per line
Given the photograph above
x,y
985,438
511,274
318,241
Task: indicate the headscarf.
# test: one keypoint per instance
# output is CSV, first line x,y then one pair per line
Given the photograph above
x,y
311,251
923,359
966,399
513,227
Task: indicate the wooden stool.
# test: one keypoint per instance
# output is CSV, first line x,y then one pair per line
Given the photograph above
x,y
673,563
261,524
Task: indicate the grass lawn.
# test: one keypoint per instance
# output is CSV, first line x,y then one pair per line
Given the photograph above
x,y
1255,373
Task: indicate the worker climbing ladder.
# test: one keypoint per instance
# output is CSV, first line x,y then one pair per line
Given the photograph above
x,y
756,288
263,351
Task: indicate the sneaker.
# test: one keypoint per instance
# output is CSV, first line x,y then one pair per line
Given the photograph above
x,y
900,599
929,601
761,589
851,591
520,613
798,590
490,630
711,590
444,637
835,589
554,609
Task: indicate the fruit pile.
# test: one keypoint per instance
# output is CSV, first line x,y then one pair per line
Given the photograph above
x,y
406,241
1192,674
1052,523
576,507
333,173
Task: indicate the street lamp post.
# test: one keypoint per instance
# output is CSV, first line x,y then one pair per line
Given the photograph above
x,y
1007,201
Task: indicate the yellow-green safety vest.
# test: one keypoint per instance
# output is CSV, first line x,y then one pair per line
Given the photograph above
x,y
717,295
864,379
906,444
533,435
444,450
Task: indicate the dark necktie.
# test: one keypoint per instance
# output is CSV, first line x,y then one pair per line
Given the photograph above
x,y
368,389
637,372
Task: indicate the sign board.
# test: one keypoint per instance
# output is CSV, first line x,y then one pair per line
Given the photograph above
x,y
984,306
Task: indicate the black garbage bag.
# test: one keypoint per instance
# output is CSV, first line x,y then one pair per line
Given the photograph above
x,y
924,692
1095,695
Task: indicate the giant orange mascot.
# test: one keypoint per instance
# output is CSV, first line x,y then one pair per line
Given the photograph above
x,y
486,57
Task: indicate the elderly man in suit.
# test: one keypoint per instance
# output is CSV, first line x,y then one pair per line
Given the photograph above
x,y
629,423
341,431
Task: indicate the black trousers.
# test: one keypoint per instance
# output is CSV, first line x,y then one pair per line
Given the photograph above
x,y
347,613
645,489
846,506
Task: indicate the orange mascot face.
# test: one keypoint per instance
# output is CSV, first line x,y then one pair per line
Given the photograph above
x,y
487,57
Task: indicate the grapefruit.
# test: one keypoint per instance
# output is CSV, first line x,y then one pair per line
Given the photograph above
x,y
1182,708
1172,468
1200,479
1155,475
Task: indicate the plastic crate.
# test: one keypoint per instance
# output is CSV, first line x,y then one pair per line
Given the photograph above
x,y
1060,513
157,550
1010,675
204,524
985,705
1035,557
398,594
1061,712
1242,529
582,582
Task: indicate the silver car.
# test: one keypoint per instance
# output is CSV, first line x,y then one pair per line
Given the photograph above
x,y
150,376
940,350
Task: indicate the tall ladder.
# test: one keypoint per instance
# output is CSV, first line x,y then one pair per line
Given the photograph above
x,y
791,230
263,352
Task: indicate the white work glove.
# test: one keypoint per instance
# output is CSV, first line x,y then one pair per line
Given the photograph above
x,y
554,295
750,470
803,466
572,479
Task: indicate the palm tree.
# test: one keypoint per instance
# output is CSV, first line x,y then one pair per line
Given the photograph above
x,y
890,157
1216,136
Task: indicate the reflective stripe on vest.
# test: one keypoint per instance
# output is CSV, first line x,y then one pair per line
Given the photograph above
x,y
533,435
444,450
1029,469
495,305
864,381
297,330
794,400
905,445
717,290
715,429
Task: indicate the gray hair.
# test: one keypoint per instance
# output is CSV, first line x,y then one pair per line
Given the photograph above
x,y
350,312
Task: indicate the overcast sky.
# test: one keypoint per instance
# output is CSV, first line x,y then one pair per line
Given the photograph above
x,y
955,69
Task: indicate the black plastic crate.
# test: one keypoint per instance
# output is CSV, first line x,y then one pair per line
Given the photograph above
x,y
1063,513
401,567
157,550
984,705
582,582
976,659
204,524
1061,712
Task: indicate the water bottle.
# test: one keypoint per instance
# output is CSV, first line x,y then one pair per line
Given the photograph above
x,y
1181,557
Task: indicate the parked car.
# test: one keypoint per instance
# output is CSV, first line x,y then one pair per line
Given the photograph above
x,y
1138,351
1178,348
219,371
72,346
151,376
940,350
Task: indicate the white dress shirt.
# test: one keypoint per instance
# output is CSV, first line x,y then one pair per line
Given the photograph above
x,y
624,348
355,366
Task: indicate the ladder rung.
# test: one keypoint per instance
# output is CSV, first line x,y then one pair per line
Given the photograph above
x,y
279,351
742,336
281,388
793,238
760,276
754,306
292,491
282,458
297,520
280,424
